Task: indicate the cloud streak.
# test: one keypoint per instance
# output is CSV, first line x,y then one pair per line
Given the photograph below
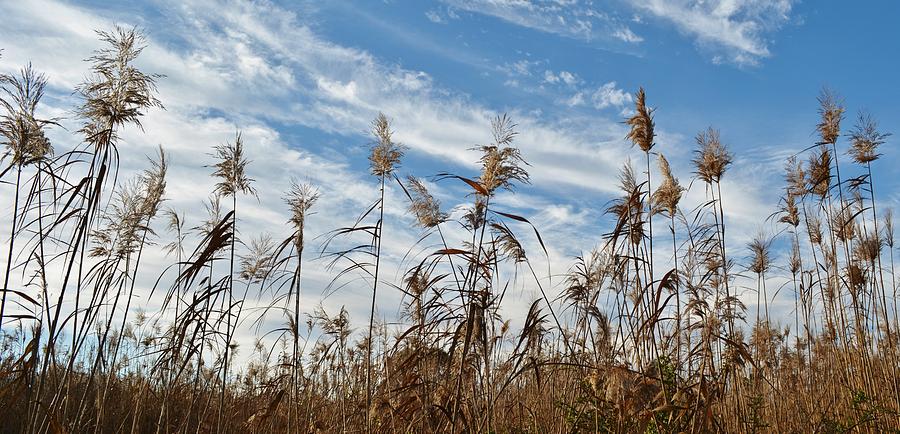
x,y
736,31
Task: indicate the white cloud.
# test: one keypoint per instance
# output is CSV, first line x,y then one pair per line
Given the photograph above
x,y
572,18
627,35
521,67
434,17
568,77
550,77
736,31
609,95
575,100
739,28
562,77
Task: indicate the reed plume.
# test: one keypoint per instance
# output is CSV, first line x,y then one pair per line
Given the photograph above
x,y
385,154
425,207
668,194
831,113
641,123
712,158
502,164
865,139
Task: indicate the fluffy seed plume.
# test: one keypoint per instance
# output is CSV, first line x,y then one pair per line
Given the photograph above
x,y
231,168
257,262
120,234
759,251
814,228
117,93
668,194
153,181
868,247
819,174
214,216
501,164
889,227
865,139
712,158
300,199
628,209
831,113
641,123
844,227
21,131
790,214
423,205
794,261
795,177
507,244
385,154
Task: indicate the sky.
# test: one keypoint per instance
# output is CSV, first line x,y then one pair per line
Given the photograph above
x,y
302,80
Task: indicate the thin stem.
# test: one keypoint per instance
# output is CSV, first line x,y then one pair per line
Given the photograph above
x,y
12,239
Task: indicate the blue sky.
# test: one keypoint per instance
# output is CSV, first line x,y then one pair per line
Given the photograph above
x,y
304,79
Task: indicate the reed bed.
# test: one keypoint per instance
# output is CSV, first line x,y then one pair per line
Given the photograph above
x,y
649,332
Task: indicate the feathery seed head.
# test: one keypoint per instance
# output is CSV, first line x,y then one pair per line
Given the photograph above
x,y
585,278
759,249
153,181
423,205
213,215
474,215
889,227
21,131
501,164
256,264
831,113
629,208
668,194
794,261
385,154
117,93
506,243
300,199
814,227
712,158
819,174
790,212
175,226
795,176
231,168
865,139
120,234
856,277
641,123
868,247
844,227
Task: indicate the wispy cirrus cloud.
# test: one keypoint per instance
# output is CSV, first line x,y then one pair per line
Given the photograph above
x,y
570,18
735,31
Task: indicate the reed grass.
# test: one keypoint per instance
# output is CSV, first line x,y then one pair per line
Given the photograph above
x,y
643,337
